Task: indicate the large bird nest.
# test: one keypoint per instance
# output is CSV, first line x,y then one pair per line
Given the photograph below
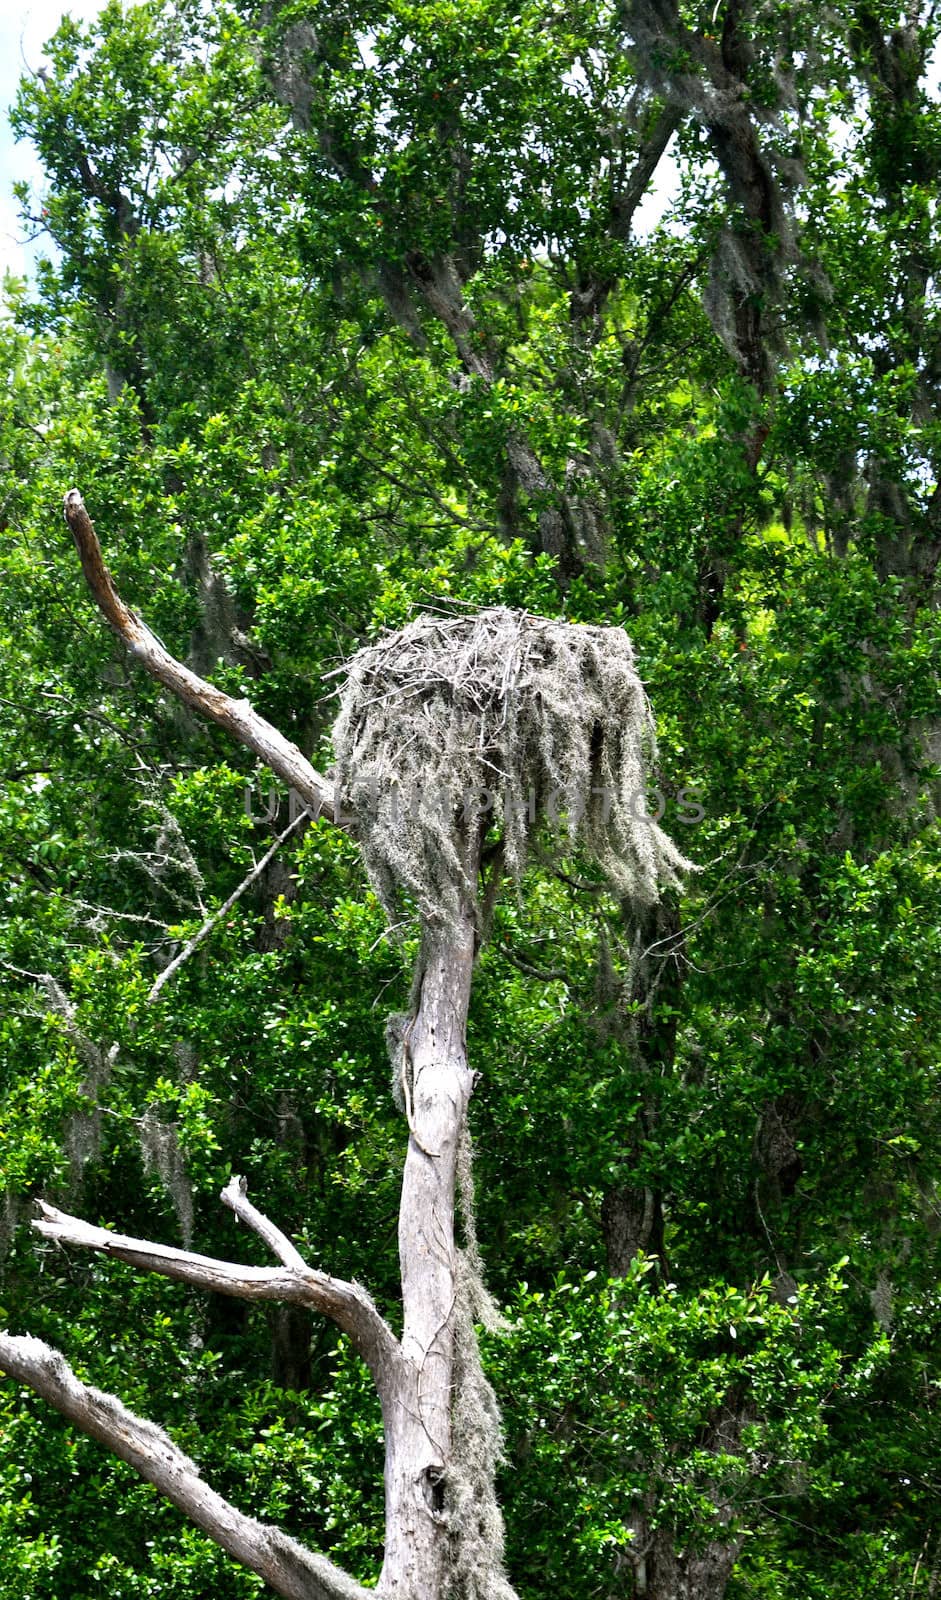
x,y
496,717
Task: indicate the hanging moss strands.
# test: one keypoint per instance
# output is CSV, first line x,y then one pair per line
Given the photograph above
x,y
456,721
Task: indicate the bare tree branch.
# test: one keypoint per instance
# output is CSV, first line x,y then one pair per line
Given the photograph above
x,y
594,286
292,1571
235,1196
238,717
346,1304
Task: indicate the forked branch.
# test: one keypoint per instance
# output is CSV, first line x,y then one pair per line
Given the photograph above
x,y
238,717
290,1570
346,1304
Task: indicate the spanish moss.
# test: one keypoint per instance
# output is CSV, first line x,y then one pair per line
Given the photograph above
x,y
459,722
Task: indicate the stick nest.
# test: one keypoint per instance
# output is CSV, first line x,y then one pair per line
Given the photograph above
x,y
455,722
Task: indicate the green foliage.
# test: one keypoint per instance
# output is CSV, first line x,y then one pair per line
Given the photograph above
x,y
621,1392
290,439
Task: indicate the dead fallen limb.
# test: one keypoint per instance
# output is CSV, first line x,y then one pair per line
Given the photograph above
x,y
292,1571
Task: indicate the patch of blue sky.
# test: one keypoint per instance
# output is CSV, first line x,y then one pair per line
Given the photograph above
x,y
25,25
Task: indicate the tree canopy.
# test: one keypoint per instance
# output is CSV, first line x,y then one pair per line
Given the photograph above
x,y
617,314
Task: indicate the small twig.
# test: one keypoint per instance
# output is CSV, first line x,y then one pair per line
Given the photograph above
x,y
99,1059
544,974
121,916
24,972
210,923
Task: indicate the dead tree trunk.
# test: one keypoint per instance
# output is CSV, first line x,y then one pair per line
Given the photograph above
x,y
418,1428
586,739
414,1376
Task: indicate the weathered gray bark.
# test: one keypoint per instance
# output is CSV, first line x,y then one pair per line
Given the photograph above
x,y
238,717
418,1428
413,1377
294,1283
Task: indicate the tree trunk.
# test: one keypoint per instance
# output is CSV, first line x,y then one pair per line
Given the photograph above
x,y
418,1411
430,1550
691,1575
